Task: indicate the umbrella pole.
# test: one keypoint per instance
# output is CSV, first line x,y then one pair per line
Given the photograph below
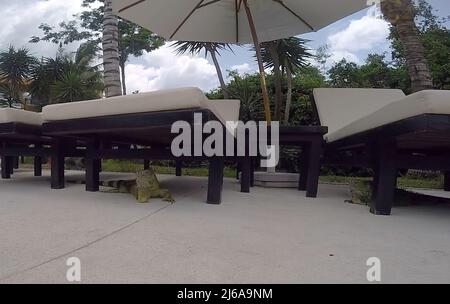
x,y
262,73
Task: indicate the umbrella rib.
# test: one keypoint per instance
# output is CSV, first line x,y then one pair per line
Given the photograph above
x,y
131,5
187,18
295,14
237,20
240,5
238,9
209,3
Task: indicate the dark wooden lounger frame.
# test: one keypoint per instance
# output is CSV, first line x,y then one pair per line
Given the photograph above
x,y
19,139
16,140
421,142
110,137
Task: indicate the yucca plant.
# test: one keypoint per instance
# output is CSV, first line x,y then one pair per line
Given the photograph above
x,y
285,57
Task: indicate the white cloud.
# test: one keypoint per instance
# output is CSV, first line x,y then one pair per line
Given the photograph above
x,y
242,69
338,55
163,69
21,19
362,34
366,34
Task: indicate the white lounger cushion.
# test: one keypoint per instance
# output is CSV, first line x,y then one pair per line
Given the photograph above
x,y
424,102
8,115
225,109
164,100
338,108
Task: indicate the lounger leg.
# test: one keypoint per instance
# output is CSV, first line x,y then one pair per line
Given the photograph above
x,y
37,163
304,167
57,166
238,169
385,180
92,175
146,164
16,162
10,162
252,172
92,168
5,170
179,168
312,182
447,181
215,180
38,166
246,172
246,166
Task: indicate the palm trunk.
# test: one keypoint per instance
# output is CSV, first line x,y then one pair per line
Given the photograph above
x,y
212,51
111,58
278,79
401,14
289,95
416,61
124,84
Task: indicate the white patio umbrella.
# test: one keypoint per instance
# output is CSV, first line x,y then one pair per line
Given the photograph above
x,y
235,21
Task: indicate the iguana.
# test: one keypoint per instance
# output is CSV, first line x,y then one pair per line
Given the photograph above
x,y
361,193
143,188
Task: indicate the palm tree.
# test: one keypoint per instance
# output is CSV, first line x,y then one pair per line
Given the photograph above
x,y
15,71
269,53
401,14
210,48
111,56
285,57
293,56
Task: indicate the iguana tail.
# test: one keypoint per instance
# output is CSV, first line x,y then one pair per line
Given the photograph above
x,y
115,184
121,186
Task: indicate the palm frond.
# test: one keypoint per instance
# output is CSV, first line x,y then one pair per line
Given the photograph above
x,y
293,53
194,48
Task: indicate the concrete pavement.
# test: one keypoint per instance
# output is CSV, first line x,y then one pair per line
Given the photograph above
x,y
268,236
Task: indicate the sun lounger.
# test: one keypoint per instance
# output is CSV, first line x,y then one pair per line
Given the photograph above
x,y
21,135
386,131
18,131
144,120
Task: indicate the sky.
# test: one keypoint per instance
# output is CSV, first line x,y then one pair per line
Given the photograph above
x,y
352,38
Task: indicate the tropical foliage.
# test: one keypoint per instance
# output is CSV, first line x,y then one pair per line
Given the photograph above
x,y
66,78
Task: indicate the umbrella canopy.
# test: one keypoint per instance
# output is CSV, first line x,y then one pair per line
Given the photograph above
x,y
226,20
235,21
